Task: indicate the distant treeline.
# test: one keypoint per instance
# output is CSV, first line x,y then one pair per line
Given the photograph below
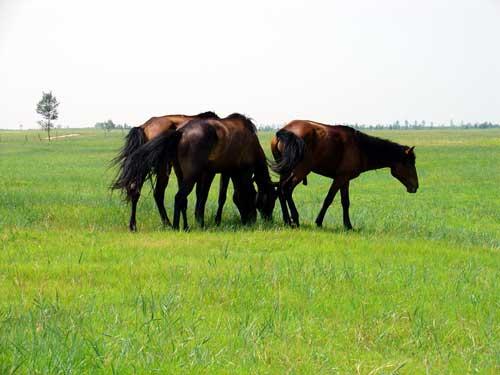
x,y
110,125
407,125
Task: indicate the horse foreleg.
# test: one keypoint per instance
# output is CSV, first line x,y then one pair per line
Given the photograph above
x,y
344,196
224,182
334,188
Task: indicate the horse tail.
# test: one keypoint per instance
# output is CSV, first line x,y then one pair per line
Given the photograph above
x,y
145,161
133,140
292,154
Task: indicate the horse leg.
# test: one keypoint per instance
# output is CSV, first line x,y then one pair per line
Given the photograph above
x,y
134,194
336,185
299,173
159,193
294,214
133,201
202,189
181,202
281,197
224,182
344,196
177,212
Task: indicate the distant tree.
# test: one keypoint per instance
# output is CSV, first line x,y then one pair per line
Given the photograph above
x,y
47,108
107,126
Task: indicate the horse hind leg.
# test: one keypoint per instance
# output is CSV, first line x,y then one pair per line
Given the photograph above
x,y
202,189
299,173
159,193
181,202
133,209
284,208
224,182
134,193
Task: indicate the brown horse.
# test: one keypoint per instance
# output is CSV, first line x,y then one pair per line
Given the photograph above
x,y
202,148
339,152
130,181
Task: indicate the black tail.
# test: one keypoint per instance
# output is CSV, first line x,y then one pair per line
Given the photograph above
x,y
145,161
134,139
293,152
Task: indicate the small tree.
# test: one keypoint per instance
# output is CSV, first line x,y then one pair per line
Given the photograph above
x,y
47,108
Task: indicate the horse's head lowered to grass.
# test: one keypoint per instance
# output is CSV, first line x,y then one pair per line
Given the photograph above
x,y
405,171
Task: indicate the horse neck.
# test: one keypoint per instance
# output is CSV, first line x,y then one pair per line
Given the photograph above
x,y
379,153
262,177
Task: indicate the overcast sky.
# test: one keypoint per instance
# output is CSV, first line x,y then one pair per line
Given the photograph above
x,y
336,61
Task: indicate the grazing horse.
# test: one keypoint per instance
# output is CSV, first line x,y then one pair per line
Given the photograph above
x,y
130,181
204,147
339,152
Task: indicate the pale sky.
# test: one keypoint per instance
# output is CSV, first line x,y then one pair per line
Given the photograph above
x,y
335,61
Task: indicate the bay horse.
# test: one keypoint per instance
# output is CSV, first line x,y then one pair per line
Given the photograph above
x,y
205,147
339,152
129,180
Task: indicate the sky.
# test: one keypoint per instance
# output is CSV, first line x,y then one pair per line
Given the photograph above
x,y
334,61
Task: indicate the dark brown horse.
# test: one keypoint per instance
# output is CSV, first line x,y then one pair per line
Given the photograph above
x,y
202,148
129,180
339,152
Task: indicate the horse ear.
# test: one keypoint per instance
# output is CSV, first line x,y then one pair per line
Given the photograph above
x,y
408,151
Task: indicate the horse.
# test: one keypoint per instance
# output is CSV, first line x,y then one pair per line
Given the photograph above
x,y
130,181
204,147
339,152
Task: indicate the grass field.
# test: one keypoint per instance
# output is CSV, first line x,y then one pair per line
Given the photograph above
x,y
413,289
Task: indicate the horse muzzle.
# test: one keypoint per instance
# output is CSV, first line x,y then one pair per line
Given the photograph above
x,y
412,189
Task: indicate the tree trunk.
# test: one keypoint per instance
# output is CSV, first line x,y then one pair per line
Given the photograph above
x,y
48,129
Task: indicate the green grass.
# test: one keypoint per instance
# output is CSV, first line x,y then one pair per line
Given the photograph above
x,y
413,289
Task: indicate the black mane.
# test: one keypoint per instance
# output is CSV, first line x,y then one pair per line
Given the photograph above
x,y
207,115
246,120
382,149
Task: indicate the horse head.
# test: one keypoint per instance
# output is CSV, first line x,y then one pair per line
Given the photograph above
x,y
404,170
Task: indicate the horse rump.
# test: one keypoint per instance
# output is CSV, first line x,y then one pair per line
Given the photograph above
x,y
291,155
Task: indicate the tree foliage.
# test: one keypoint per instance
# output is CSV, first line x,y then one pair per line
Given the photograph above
x,y
47,108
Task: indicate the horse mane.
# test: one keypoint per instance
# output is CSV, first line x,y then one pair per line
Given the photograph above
x,y
380,148
247,121
207,115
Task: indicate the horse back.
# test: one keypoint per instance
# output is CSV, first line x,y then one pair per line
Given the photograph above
x,y
331,149
159,125
237,145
